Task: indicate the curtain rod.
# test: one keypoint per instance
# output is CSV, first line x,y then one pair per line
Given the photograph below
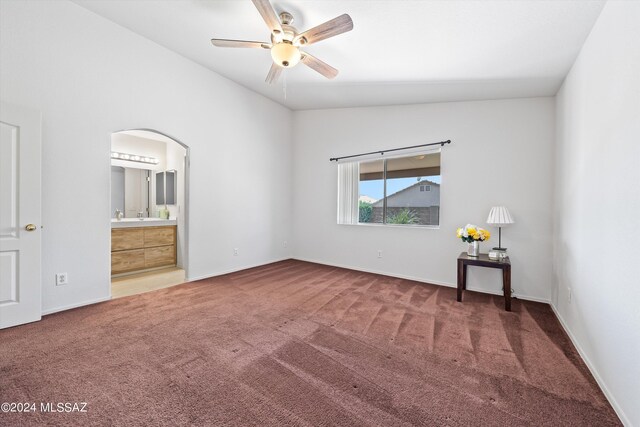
x,y
441,143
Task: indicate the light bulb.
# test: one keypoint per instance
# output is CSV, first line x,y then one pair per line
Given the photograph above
x,y
285,54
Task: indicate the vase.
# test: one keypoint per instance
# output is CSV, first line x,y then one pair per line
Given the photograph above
x,y
474,248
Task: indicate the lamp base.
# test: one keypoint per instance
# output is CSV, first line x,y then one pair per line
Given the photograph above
x,y
498,254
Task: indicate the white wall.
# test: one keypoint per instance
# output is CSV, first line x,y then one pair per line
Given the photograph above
x,y
176,161
597,205
91,77
501,153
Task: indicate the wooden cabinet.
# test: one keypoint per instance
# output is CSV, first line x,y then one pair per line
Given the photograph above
x,y
126,238
159,236
160,256
139,248
123,261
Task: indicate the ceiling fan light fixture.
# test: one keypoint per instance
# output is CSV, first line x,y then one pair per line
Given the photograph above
x,y
285,54
286,41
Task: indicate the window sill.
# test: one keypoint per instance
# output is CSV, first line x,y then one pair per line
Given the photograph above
x,y
429,227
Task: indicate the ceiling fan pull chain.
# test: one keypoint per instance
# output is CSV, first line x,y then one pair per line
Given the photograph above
x,y
284,86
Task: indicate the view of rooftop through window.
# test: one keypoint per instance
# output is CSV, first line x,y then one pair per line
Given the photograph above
x,y
411,194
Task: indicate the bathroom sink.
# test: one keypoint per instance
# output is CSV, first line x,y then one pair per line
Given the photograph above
x,y
141,222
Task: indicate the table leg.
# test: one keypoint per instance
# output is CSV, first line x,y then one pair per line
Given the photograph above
x,y
464,276
506,281
460,279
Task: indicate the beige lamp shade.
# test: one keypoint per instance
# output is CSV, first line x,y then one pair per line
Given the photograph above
x,y
500,216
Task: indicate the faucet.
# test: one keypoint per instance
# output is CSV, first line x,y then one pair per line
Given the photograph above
x,y
119,215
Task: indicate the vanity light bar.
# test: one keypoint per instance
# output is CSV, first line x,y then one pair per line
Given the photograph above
x,y
134,158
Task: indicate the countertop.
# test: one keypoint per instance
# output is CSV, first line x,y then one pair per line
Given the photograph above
x,y
144,222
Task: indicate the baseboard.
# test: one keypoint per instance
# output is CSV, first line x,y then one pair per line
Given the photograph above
x,y
77,305
513,295
233,270
423,280
592,369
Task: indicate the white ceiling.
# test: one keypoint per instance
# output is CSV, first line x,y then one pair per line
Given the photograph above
x,y
399,52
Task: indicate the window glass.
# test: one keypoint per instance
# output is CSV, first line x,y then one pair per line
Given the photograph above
x,y
413,190
371,192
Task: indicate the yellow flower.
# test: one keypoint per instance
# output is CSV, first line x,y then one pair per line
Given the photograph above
x,y
471,232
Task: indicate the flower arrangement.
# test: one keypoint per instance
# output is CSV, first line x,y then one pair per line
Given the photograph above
x,y
471,233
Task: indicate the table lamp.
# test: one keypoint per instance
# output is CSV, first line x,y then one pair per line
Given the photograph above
x,y
500,216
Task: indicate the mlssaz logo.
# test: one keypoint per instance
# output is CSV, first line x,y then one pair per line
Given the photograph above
x,y
63,407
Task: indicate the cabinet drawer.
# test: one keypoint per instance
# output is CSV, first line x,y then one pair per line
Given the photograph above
x,y
126,238
159,236
124,261
160,256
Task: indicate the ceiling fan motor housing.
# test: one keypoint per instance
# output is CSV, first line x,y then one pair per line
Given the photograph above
x,y
284,52
286,18
289,32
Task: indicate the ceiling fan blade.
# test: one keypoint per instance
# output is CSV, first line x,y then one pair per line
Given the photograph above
x,y
269,15
339,25
240,43
321,67
274,73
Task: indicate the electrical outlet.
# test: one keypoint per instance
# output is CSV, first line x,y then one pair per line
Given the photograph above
x,y
62,279
379,253
284,244
236,251
568,294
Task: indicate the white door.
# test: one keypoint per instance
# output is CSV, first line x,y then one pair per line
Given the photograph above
x,y
20,290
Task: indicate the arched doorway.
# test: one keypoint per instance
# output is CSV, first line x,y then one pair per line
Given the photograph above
x,y
149,215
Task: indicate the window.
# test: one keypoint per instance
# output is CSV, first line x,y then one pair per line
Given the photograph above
x,y
398,190
370,188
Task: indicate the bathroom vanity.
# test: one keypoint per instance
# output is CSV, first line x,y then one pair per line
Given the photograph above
x,y
138,245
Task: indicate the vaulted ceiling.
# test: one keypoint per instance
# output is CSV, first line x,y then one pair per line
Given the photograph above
x,y
399,52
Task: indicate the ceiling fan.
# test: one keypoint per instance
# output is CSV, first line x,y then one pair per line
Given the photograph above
x,y
286,41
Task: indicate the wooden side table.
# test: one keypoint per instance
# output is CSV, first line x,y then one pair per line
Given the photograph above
x,y
483,260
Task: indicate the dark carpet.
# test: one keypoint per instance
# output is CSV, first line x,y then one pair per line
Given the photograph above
x,y
296,343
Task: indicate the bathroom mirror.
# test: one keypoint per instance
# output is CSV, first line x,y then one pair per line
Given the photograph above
x,y
166,188
159,188
170,187
130,189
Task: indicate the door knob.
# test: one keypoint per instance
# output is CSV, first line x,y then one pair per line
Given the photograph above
x,y
30,227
